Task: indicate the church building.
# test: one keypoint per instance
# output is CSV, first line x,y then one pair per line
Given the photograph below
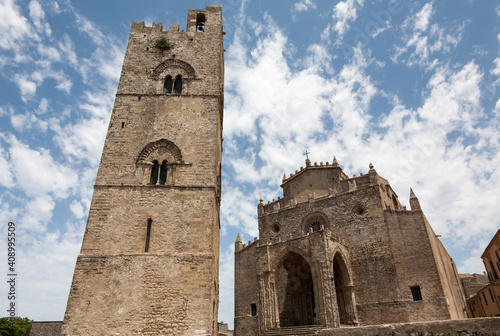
x,y
340,251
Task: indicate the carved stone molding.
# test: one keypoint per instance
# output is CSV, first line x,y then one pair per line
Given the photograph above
x,y
160,147
173,63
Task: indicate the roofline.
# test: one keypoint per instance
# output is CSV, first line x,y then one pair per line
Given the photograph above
x,y
299,172
496,236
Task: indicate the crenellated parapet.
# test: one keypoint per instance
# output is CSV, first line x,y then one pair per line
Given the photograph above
x,y
321,180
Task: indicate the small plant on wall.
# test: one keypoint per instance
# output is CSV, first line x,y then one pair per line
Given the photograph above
x,y
163,44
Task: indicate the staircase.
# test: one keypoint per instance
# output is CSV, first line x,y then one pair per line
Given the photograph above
x,y
293,331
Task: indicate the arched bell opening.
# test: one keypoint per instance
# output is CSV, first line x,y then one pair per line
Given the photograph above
x,y
343,291
154,172
295,292
163,172
200,23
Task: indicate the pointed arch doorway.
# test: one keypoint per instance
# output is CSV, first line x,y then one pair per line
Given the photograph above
x,y
295,292
343,291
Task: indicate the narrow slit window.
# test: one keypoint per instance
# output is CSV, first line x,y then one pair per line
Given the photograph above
x,y
163,173
154,172
253,307
178,84
200,23
484,297
123,124
415,292
168,85
148,235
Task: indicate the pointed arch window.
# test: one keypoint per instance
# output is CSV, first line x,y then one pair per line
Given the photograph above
x,y
178,84
154,172
168,85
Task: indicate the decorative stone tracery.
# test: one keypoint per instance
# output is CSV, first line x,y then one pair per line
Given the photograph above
x,y
316,222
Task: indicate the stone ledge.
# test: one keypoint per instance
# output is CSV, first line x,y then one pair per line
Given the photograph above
x,y
488,326
49,328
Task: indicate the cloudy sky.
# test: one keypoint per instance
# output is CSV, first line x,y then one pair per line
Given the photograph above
x,y
411,86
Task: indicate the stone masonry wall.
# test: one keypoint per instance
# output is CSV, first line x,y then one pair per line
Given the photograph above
x,y
468,327
245,278
172,288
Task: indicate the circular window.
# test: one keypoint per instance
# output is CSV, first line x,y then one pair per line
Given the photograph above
x,y
275,228
358,209
315,223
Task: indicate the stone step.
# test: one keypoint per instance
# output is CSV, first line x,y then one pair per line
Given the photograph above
x,y
293,331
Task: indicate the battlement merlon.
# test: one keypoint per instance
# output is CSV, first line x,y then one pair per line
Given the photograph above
x,y
210,16
317,181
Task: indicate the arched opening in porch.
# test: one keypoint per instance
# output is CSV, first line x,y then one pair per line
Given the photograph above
x,y
343,291
295,292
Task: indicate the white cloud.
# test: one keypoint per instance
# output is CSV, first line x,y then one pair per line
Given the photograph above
x,y
13,26
496,69
65,85
422,39
37,173
6,110
104,64
45,71
6,176
344,13
239,210
37,213
148,21
26,86
50,53
226,276
28,83
27,121
454,97
67,47
83,141
304,5
89,28
45,292
77,209
43,106
422,18
38,17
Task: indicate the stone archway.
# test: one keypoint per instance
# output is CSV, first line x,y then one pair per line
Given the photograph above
x,y
343,291
295,292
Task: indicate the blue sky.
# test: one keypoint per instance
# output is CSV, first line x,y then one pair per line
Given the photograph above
x,y
411,86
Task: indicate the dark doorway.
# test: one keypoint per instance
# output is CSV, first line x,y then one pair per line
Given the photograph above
x,y
295,292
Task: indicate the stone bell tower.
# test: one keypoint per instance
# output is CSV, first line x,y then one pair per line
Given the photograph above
x,y
149,258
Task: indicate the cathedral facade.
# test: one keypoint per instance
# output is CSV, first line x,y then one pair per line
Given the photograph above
x,y
340,251
150,254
